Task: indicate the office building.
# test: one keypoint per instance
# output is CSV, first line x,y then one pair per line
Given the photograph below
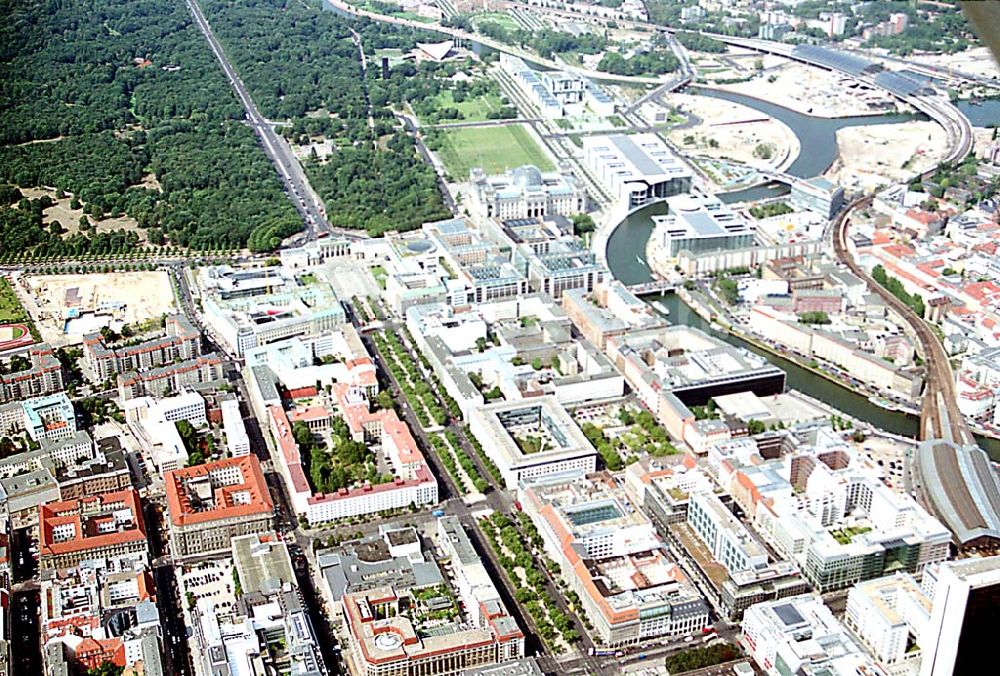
x,y
531,438
800,635
890,616
964,616
154,424
413,483
829,511
636,169
566,264
21,494
538,329
386,636
612,557
663,487
610,311
103,526
251,307
678,366
395,557
210,504
729,541
106,471
50,417
699,224
477,270
526,192
818,195
100,613
267,630
750,576
473,582
556,93
68,450
237,439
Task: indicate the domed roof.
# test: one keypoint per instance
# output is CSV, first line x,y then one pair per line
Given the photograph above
x,y
527,177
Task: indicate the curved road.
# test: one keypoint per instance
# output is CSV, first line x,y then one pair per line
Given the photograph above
x,y
459,34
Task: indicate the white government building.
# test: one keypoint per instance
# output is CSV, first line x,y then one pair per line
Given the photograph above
x,y
529,439
526,192
637,168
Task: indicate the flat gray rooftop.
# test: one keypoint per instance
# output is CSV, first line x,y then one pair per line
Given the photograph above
x,y
636,155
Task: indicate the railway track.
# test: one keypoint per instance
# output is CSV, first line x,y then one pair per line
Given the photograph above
x,y
939,417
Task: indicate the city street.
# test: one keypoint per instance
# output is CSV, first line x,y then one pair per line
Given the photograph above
x,y
306,202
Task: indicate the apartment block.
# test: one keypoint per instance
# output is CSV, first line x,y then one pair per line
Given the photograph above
x,y
181,341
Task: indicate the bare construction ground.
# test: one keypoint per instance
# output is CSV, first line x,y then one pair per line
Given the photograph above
x,y
731,131
814,91
872,156
65,307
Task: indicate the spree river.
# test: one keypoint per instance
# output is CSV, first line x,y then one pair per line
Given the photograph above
x,y
626,255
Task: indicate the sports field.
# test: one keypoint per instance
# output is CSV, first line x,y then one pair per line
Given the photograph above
x,y
495,149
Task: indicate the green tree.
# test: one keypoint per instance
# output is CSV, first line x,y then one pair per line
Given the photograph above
x,y
385,401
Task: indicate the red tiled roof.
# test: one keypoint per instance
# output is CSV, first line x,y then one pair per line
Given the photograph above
x,y
179,505
70,512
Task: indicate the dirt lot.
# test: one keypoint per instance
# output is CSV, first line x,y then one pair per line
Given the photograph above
x,y
872,156
735,129
813,91
103,299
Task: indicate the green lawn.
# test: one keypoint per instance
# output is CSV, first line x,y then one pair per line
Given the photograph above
x,y
495,149
11,310
473,109
505,20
